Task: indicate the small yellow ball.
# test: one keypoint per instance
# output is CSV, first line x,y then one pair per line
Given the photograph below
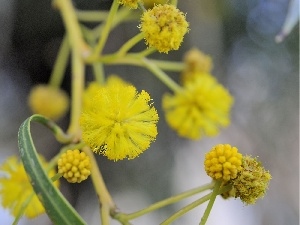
x,y
75,166
48,101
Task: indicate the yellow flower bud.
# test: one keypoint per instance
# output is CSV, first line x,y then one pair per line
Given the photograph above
x,y
74,165
223,162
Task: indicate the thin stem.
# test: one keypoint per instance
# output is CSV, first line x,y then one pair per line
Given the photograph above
x,y
106,201
163,203
186,209
174,2
168,65
60,65
146,52
211,202
91,15
107,27
162,76
23,208
79,49
98,72
130,43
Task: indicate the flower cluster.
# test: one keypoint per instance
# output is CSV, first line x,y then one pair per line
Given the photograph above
x,y
120,123
48,101
201,107
223,162
164,27
74,165
15,188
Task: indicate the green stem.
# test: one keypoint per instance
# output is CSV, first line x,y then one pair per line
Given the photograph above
x,y
60,64
106,201
91,15
163,203
130,43
98,72
146,52
168,65
211,202
107,27
174,2
23,208
162,76
186,209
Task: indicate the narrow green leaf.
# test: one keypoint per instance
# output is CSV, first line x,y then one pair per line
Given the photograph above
x,y
57,207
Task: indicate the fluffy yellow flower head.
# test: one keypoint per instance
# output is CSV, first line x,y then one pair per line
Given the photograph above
x,y
200,108
121,123
130,3
48,101
74,165
196,64
223,162
252,181
164,27
15,188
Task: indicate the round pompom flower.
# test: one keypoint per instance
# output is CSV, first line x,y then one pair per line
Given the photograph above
x,y
121,123
48,101
74,165
164,27
201,107
130,3
252,181
15,188
223,162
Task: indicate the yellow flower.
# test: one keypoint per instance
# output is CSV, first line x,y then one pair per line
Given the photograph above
x,y
196,64
151,3
130,3
74,165
15,188
201,107
223,162
252,181
164,27
121,123
48,101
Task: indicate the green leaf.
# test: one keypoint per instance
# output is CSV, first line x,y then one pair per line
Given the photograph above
x,y
57,207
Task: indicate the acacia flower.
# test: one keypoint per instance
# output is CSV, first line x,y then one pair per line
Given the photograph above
x,y
252,181
74,165
223,162
196,63
130,3
164,27
15,188
121,123
201,107
48,101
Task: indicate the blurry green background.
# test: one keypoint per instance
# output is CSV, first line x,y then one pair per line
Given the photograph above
x,y
263,77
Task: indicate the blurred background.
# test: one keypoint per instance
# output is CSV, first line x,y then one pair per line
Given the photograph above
x,y
263,77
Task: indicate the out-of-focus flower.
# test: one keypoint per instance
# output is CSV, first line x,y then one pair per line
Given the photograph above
x,y
48,101
15,188
130,3
164,27
120,123
292,18
74,165
200,108
223,162
196,63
